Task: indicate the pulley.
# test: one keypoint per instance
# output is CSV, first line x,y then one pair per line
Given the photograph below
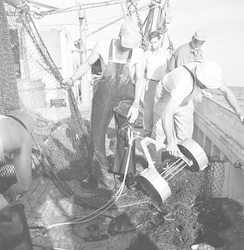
x,y
155,184
168,16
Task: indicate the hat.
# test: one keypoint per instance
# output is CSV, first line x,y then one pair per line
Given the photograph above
x,y
200,35
130,35
209,73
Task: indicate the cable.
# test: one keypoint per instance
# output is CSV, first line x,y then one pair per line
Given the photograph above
x,y
110,203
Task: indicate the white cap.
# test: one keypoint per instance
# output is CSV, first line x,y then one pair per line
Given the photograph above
x,y
130,35
209,73
200,35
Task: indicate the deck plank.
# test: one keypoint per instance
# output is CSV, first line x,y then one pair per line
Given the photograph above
x,y
45,206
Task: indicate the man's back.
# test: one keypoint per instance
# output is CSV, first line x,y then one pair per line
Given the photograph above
x,y
15,138
14,135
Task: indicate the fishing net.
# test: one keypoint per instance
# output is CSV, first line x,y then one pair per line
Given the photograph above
x,y
61,135
64,151
214,178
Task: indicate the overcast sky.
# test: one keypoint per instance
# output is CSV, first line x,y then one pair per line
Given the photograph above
x,y
223,20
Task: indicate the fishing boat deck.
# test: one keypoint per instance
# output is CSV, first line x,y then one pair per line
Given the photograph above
x,y
44,205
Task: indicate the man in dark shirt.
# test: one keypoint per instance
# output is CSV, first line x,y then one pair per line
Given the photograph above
x,y
189,52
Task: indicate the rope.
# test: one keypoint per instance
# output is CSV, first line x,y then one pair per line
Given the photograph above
x,y
110,203
140,24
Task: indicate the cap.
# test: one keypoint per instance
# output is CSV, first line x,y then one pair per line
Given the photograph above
x,y
200,35
130,35
209,73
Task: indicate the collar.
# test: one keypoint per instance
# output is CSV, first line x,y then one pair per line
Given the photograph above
x,y
195,52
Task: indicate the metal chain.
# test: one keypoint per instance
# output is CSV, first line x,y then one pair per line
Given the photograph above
x,y
133,3
171,47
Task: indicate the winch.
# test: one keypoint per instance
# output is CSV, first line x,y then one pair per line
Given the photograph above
x,y
155,183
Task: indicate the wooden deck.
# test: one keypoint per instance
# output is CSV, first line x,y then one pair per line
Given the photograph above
x,y
45,206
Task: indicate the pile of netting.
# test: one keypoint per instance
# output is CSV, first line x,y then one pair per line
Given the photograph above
x,y
192,214
64,151
62,138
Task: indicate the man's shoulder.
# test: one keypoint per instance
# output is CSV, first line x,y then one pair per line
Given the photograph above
x,y
183,47
138,54
101,48
138,50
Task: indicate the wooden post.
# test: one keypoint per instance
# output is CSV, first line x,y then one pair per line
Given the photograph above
x,y
85,84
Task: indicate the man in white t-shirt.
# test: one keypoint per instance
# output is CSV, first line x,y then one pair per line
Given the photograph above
x,y
172,122
155,69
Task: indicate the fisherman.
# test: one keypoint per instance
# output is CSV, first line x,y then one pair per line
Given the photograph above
x,y
177,88
15,139
122,63
155,69
189,52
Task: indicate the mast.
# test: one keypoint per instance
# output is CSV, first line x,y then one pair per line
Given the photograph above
x,y
84,82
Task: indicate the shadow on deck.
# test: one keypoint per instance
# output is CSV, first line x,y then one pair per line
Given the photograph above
x,y
45,206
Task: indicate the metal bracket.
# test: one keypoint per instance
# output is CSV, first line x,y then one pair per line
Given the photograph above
x,y
147,140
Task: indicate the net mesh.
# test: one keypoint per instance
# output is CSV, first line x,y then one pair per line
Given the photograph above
x,y
63,148
61,134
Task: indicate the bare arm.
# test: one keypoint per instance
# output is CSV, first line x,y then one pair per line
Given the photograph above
x,y
140,68
22,165
139,85
84,67
232,100
168,126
